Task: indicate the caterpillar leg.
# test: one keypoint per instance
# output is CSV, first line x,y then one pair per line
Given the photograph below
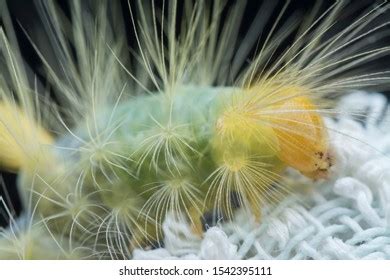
x,y
196,221
145,237
255,209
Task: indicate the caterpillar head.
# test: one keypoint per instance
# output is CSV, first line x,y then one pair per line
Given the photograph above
x,y
303,137
287,125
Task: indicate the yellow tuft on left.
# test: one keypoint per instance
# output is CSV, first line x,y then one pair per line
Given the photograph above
x,y
22,139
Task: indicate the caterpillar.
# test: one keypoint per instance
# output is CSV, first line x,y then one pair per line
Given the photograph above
x,y
180,124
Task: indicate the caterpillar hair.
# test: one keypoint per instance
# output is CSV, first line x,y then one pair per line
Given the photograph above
x,y
145,109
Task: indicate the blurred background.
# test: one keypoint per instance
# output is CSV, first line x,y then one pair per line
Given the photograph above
x,y
24,14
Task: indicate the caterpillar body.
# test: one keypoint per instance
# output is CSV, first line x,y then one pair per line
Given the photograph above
x,y
172,135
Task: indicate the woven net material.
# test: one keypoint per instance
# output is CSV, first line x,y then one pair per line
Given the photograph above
x,y
346,217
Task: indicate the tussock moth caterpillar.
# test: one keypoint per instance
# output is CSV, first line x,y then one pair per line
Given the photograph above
x,y
180,124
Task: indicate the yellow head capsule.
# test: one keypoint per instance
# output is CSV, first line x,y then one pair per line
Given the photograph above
x,y
301,132
277,121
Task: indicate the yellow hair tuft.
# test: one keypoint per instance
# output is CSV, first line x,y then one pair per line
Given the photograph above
x,y
21,138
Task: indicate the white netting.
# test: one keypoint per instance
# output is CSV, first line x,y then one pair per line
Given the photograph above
x,y
347,217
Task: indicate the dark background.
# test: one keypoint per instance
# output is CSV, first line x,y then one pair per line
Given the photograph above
x,y
25,13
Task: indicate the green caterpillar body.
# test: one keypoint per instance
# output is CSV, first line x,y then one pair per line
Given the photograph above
x,y
161,158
